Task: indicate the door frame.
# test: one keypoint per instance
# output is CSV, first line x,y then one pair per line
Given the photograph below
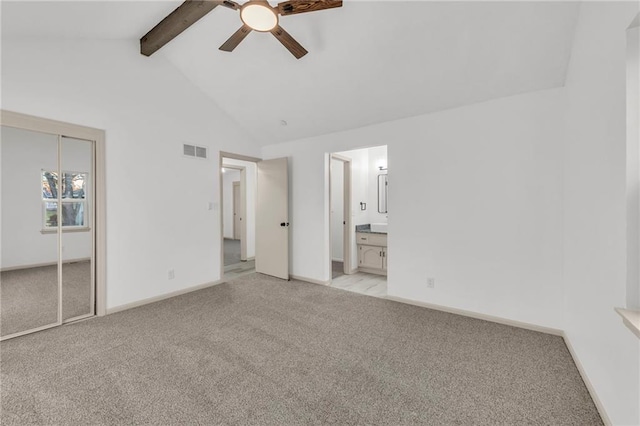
x,y
243,246
236,231
97,136
347,228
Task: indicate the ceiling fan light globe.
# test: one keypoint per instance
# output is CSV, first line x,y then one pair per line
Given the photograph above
x,y
259,17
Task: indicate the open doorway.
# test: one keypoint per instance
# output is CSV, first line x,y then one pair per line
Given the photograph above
x,y
358,251
231,215
238,207
264,216
340,217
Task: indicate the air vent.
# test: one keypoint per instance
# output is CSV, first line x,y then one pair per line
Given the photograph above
x,y
194,151
201,152
189,150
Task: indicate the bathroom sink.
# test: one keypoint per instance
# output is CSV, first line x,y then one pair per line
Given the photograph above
x,y
379,227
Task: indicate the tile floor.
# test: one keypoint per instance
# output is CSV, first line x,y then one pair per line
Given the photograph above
x,y
363,283
239,269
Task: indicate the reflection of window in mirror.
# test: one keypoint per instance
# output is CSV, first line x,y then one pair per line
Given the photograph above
x,y
382,193
74,201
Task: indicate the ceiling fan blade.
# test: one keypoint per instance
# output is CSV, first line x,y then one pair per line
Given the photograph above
x,y
292,7
289,42
235,39
179,20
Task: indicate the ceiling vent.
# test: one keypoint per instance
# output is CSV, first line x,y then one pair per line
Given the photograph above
x,y
194,151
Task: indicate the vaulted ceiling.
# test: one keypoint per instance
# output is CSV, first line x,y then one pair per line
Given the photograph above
x,y
368,62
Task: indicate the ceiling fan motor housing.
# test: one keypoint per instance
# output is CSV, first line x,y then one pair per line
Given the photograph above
x,y
259,15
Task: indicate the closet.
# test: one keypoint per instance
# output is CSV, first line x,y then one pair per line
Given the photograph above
x,y
48,238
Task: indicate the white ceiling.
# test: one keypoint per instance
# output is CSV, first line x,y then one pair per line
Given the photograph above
x,y
368,62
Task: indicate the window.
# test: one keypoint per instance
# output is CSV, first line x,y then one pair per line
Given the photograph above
x,y
74,207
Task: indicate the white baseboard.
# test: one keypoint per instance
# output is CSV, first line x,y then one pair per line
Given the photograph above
x,y
310,280
40,265
470,314
154,299
337,260
587,382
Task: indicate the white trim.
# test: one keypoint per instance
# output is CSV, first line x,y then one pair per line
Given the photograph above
x,y
630,318
59,228
100,221
585,378
382,272
470,314
31,330
237,231
78,318
66,229
240,157
243,214
310,280
40,265
169,295
52,127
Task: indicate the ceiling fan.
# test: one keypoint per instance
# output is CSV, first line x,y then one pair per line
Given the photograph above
x,y
256,15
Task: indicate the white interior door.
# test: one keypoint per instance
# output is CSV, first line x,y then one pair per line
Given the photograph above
x,y
272,219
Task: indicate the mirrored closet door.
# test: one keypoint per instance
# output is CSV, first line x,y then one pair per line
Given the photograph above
x,y
47,239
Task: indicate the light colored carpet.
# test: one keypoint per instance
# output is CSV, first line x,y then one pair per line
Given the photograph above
x,y
231,252
262,351
29,297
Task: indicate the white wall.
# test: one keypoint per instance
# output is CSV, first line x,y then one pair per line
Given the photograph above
x,y
595,209
251,173
364,185
337,210
633,166
477,192
228,178
148,109
377,158
359,185
24,155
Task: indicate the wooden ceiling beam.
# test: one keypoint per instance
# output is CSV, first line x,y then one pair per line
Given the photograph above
x,y
175,23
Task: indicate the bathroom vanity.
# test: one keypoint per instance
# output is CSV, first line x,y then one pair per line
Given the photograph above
x,y
372,250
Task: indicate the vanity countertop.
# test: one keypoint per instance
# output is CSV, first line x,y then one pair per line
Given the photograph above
x,y
366,229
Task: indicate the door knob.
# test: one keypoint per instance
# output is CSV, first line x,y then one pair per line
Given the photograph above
x,y
284,224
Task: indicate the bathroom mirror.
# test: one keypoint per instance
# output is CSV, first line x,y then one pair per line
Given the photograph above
x,y
382,193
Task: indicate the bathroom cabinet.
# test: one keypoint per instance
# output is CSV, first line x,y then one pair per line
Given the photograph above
x,y
372,253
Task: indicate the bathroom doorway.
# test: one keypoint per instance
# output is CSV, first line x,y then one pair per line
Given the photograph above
x,y
358,251
340,215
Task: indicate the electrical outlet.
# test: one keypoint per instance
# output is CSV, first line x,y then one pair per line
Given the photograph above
x,y
172,274
431,282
